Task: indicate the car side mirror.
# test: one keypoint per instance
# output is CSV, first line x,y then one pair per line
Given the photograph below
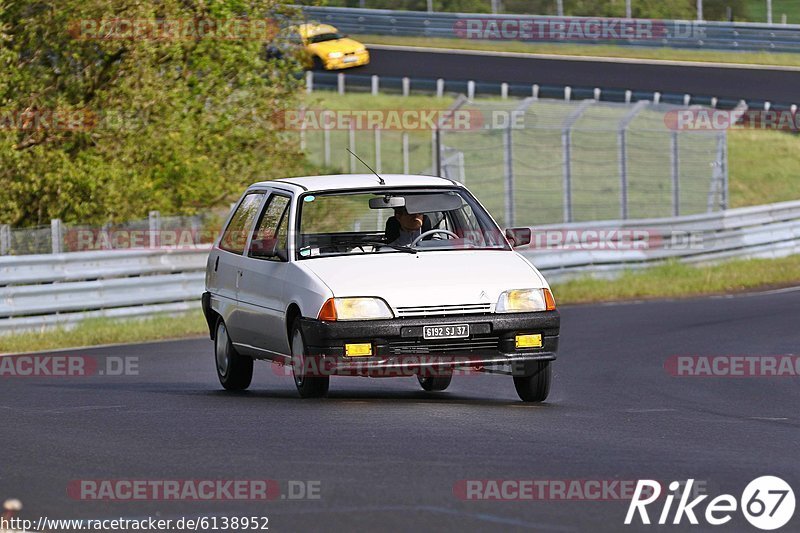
x,y
519,236
267,249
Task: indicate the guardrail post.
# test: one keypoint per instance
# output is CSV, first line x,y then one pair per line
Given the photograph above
x,y
309,81
567,93
378,165
57,235
154,223
439,88
628,96
675,165
656,97
471,90
597,93
687,99
340,83
5,239
504,90
406,166
535,91
714,102
406,86
375,84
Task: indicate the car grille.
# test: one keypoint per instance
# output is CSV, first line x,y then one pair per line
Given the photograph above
x,y
407,347
444,310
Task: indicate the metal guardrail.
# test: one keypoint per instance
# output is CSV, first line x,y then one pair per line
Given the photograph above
x,y
59,290
679,34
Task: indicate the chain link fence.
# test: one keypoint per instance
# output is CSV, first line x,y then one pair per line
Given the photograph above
x,y
537,161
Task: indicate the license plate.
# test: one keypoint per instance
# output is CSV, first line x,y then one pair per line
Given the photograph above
x,y
454,331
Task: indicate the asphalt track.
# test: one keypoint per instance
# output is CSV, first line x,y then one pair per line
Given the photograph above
x,y
388,455
776,86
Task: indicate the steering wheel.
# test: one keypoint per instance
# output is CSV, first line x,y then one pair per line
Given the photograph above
x,y
432,232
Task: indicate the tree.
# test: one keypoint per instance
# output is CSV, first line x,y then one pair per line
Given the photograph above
x,y
94,128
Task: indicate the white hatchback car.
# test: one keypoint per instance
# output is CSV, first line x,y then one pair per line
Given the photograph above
x,y
390,276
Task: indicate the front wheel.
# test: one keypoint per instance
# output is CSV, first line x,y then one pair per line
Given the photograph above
x,y
235,372
307,386
536,387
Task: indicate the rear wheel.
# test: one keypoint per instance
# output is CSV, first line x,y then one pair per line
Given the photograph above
x,y
436,383
307,386
235,372
536,387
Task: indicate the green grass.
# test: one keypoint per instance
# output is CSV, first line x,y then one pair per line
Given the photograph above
x,y
598,50
764,167
757,11
676,280
97,331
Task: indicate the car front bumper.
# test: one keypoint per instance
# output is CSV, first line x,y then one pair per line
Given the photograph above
x,y
347,61
398,346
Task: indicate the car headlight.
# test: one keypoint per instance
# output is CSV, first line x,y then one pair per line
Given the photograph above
x,y
354,309
335,55
525,301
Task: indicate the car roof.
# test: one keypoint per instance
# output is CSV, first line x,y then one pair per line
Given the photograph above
x,y
309,29
339,182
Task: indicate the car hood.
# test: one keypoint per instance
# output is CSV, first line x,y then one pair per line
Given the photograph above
x,y
428,278
345,45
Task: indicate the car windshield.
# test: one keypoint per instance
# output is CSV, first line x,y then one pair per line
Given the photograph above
x,y
322,37
386,221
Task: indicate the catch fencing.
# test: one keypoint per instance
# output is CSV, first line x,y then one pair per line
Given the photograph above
x,y
537,161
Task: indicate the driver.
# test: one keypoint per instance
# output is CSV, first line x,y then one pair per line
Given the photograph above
x,y
403,227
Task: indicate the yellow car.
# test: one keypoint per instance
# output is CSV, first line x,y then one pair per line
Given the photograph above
x,y
330,49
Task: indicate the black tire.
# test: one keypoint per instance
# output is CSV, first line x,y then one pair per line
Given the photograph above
x,y
235,372
436,383
536,387
307,387
317,63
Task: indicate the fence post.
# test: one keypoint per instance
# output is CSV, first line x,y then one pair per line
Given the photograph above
x,y
375,84
508,175
436,150
723,148
378,165
340,83
675,165
622,140
57,235
5,239
566,149
154,222
309,81
406,166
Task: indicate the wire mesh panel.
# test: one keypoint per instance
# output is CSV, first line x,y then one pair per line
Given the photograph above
x,y
548,161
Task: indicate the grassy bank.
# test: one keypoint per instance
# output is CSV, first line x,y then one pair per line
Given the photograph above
x,y
668,281
593,50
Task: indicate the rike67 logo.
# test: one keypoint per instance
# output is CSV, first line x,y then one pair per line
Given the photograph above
x,y
767,503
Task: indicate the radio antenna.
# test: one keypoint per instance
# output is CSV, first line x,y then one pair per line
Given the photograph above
x,y
380,179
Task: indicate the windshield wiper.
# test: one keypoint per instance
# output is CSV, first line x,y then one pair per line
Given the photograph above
x,y
379,244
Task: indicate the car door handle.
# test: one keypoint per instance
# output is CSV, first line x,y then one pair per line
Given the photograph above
x,y
238,277
216,264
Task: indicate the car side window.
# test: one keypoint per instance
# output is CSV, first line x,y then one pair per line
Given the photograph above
x,y
269,235
234,238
